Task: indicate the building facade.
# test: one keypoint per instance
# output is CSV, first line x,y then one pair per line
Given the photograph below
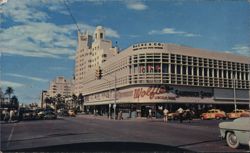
x,y
156,74
90,54
60,86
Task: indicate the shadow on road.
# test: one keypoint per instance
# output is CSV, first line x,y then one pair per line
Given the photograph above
x,y
202,142
105,147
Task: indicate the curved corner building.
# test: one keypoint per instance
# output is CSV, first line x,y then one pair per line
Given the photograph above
x,y
157,74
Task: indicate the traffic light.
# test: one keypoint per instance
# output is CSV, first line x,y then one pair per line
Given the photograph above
x,y
98,73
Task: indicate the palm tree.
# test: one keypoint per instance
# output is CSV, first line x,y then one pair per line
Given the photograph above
x,y
59,101
74,99
9,91
14,102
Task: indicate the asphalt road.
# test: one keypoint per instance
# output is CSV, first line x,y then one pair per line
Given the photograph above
x,y
88,133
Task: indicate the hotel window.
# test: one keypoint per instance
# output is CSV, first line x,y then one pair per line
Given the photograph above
x,y
195,71
205,72
157,68
220,74
172,68
189,70
224,74
184,69
184,58
238,75
150,68
178,69
210,72
165,68
215,73
200,71
242,75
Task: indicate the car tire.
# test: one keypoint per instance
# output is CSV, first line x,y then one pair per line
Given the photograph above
x,y
232,140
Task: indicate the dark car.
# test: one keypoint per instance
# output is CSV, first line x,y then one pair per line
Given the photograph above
x,y
28,114
49,115
63,113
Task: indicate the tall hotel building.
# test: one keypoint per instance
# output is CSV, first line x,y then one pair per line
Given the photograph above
x,y
157,74
61,86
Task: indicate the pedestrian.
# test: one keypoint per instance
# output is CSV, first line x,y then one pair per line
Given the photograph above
x,y
3,113
165,113
6,115
189,115
150,113
120,115
180,112
11,115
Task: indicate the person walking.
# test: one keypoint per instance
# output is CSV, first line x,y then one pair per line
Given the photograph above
x,y
120,115
150,113
165,113
6,116
11,115
180,112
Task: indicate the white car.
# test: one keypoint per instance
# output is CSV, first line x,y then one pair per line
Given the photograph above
x,y
236,132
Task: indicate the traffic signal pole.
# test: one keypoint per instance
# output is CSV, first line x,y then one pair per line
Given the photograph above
x,y
99,76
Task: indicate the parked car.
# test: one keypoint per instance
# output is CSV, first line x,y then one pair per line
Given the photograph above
x,y
245,114
173,115
235,113
71,113
236,132
187,114
213,114
28,115
62,112
49,115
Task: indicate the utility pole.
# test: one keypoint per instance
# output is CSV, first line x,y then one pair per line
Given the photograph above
x,y
115,99
235,106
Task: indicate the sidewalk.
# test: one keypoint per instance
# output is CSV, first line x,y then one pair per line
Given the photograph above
x,y
8,122
90,116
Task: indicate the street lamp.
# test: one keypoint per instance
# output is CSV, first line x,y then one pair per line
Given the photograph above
x,y
235,106
115,96
115,99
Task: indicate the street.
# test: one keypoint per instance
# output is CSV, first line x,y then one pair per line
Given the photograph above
x,y
90,133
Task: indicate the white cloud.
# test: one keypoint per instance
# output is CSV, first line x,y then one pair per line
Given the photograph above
x,y
38,40
136,5
172,31
27,77
24,11
44,39
241,49
10,84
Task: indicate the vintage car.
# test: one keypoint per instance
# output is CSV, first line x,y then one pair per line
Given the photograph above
x,y
236,132
235,113
245,114
176,115
173,116
48,115
213,114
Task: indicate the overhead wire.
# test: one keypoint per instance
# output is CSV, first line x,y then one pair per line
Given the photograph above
x,y
73,18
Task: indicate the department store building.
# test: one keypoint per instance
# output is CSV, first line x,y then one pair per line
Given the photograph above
x,y
157,75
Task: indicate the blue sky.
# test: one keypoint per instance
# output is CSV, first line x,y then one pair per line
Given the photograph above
x,y
38,37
